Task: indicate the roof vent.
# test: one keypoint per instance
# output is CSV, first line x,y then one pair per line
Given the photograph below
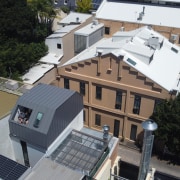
x,y
122,29
99,52
77,19
105,132
95,22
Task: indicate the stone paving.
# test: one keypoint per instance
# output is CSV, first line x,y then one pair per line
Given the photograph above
x,y
133,157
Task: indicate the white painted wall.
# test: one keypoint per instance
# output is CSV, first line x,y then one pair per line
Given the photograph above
x,y
104,173
52,45
76,124
17,151
34,155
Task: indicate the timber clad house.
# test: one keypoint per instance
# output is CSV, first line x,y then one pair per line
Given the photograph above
x,y
123,78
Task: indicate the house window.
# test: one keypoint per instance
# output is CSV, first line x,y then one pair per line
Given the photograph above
x,y
133,132
84,115
118,100
156,103
59,46
82,88
137,104
66,83
98,92
38,120
22,115
97,120
107,30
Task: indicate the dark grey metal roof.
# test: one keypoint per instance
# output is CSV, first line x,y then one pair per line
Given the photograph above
x,y
10,170
47,96
58,108
80,151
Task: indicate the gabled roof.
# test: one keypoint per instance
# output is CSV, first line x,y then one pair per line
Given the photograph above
x,y
146,51
130,12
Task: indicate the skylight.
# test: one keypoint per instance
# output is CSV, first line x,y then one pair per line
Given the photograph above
x,y
38,119
174,49
131,61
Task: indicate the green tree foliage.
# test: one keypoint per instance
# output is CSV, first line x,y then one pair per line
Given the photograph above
x,y
21,38
84,6
44,11
167,116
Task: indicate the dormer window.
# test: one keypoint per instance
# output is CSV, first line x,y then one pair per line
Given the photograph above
x,y
38,120
22,115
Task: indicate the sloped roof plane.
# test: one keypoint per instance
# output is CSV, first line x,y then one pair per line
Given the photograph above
x,y
159,63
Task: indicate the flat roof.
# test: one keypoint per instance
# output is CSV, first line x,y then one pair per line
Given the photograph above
x,y
163,69
51,58
89,29
36,72
129,12
48,169
72,18
63,31
80,152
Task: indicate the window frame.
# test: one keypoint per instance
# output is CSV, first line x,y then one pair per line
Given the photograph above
x,y
84,115
82,88
59,46
97,119
66,83
106,30
137,104
98,92
118,102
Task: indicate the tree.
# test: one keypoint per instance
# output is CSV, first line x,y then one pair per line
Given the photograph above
x,y
84,6
167,116
44,10
21,38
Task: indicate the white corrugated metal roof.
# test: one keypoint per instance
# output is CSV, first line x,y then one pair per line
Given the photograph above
x,y
63,31
51,58
163,68
36,73
89,29
153,15
72,18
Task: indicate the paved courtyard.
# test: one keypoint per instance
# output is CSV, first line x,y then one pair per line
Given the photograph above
x,y
133,157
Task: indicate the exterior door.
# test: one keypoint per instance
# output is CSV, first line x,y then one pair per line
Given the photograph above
x,y
116,128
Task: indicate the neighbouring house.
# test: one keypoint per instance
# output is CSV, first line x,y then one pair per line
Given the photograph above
x,y
39,118
61,42
123,78
128,15
39,73
47,134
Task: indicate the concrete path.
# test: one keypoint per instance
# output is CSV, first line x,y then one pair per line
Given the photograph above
x,y
133,157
